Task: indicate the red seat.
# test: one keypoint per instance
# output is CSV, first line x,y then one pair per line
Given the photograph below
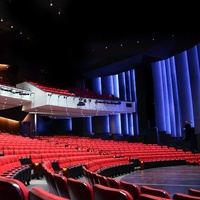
x,y
181,196
102,192
102,180
194,192
150,197
52,184
41,194
93,178
132,188
79,189
61,185
113,183
154,191
12,189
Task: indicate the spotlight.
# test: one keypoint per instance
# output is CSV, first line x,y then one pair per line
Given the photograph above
x,y
81,103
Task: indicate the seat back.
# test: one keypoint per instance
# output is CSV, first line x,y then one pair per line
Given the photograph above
x,y
132,188
102,180
94,178
181,196
41,194
194,192
85,172
61,185
52,184
150,197
79,189
113,183
88,175
102,192
154,191
12,189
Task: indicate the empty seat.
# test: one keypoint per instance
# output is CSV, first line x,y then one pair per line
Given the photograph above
x,y
79,189
181,196
93,177
61,185
194,192
12,189
132,188
154,191
102,180
41,194
150,197
113,183
102,192
52,184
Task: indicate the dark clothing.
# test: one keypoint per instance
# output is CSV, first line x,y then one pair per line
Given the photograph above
x,y
188,131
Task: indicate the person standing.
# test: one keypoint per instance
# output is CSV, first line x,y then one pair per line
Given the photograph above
x,y
188,131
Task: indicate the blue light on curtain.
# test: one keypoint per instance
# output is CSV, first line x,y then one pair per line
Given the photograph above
x,y
133,86
107,86
115,124
184,86
115,84
130,124
128,86
175,115
159,101
96,85
133,117
122,86
177,92
193,62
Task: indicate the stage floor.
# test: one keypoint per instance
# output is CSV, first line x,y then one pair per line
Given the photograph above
x,y
172,179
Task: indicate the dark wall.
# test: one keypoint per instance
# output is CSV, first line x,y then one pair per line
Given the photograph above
x,y
81,126
15,113
145,98
100,124
48,126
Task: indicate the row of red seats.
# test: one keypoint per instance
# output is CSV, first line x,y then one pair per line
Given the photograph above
x,y
80,92
79,189
11,167
99,187
52,89
143,152
16,190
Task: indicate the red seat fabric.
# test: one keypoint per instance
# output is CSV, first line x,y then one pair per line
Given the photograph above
x,y
113,183
154,191
61,185
132,188
12,189
150,197
79,189
41,194
102,180
194,192
181,196
102,192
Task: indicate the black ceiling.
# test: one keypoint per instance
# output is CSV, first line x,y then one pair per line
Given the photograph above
x,y
78,37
